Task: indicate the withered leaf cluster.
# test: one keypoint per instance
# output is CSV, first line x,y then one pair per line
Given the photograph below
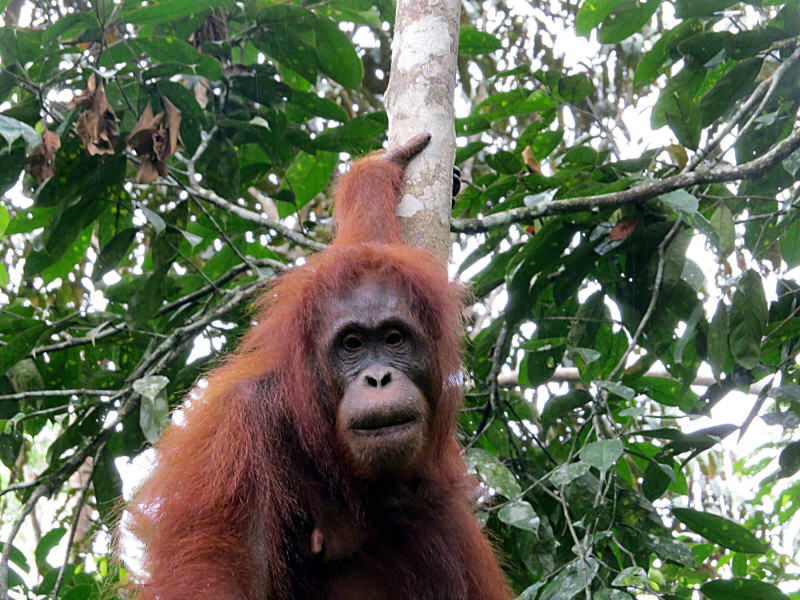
x,y
98,126
155,138
43,157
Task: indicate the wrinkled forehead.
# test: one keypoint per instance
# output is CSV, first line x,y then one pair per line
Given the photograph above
x,y
370,301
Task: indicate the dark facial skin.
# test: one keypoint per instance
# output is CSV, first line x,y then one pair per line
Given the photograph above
x,y
377,352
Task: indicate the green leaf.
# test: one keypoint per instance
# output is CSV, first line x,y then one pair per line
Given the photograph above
x,y
790,244
603,454
5,219
561,406
671,549
592,13
114,251
48,542
154,409
748,319
319,107
570,582
631,577
574,88
659,57
167,11
519,514
722,222
516,102
564,474
20,345
336,54
170,49
792,163
681,201
626,19
736,83
474,42
308,175
720,530
611,594
683,117
623,391
657,478
493,473
718,349
789,460
15,555
741,589
12,129
686,9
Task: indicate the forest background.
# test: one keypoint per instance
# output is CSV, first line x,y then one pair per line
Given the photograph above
x,y
627,225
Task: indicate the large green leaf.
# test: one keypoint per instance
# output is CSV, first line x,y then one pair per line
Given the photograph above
x,y
472,42
336,54
11,129
625,19
167,11
602,454
307,176
741,589
592,13
748,318
720,530
170,49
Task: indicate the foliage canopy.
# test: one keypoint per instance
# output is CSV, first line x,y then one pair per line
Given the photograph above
x,y
161,161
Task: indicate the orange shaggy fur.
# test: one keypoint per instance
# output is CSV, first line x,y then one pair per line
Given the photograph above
x,y
230,506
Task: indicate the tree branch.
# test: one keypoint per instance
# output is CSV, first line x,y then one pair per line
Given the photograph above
x,y
51,393
749,170
245,213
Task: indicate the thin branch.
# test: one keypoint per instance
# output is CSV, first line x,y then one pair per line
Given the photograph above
x,y
51,393
493,401
749,170
240,268
776,78
41,491
72,342
249,215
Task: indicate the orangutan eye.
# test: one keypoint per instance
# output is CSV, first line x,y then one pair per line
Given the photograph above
x,y
352,343
394,338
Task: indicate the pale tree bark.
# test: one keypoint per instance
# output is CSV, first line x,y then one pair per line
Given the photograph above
x,y
420,99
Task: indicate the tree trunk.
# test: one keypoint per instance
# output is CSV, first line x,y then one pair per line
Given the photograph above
x,y
420,99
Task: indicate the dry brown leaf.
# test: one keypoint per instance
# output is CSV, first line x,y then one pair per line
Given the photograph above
x,y
98,126
42,159
173,125
623,229
154,140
